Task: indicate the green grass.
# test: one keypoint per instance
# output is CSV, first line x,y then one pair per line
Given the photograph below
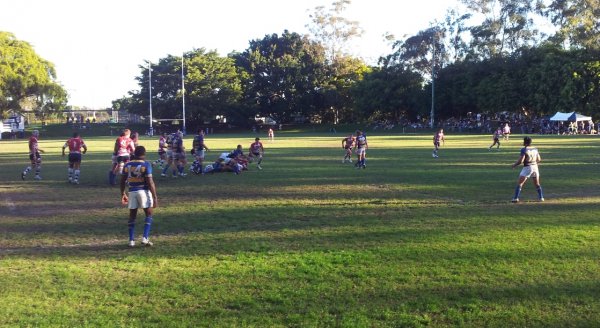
x,y
411,241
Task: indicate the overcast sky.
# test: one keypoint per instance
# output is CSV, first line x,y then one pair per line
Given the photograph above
x,y
97,46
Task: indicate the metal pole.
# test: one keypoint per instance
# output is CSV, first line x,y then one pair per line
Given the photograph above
x,y
150,95
433,85
183,92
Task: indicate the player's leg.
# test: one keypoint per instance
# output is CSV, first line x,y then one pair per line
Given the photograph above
x,y
518,189
76,170
131,222
260,158
28,168
70,170
538,187
38,167
148,204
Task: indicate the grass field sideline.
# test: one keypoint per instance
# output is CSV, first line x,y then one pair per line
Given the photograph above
x,y
308,241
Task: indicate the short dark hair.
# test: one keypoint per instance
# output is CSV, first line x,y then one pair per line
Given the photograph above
x,y
75,134
527,141
139,151
257,138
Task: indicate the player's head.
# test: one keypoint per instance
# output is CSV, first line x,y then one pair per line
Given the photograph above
x,y
164,134
179,133
441,130
200,131
358,132
35,133
527,141
126,133
134,135
139,152
257,139
239,147
75,134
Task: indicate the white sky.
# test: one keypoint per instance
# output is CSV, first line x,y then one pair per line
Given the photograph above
x,y
97,46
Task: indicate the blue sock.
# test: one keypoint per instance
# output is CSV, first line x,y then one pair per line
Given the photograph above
x,y
517,192
180,168
131,229
166,169
540,192
148,223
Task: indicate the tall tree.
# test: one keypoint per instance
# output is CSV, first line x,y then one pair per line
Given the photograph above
x,y
507,25
333,30
577,22
25,75
284,74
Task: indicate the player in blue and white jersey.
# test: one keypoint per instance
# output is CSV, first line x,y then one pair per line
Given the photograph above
x,y
137,174
530,157
361,149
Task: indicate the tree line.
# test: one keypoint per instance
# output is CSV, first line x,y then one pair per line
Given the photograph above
x,y
486,56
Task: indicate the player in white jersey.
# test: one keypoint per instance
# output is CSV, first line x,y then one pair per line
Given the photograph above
x,y
361,149
438,139
530,157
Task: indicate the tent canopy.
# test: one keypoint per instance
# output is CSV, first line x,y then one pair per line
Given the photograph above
x,y
571,117
578,118
561,116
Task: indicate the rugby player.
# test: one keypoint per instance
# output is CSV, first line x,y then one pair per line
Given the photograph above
x,y
257,150
34,156
347,144
437,139
361,150
530,157
74,144
497,135
162,152
199,148
137,174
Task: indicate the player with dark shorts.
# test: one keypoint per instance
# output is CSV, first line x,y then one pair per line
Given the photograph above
x,y
74,144
162,150
497,135
34,157
347,144
199,150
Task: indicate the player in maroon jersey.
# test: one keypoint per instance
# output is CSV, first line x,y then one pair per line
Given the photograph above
x,y
34,156
75,144
438,139
347,144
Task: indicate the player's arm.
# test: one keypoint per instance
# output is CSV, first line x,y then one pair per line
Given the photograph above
x,y
152,189
343,143
539,158
63,148
84,148
366,144
519,161
116,148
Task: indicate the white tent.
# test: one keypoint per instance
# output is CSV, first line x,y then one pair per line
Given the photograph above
x,y
578,118
561,116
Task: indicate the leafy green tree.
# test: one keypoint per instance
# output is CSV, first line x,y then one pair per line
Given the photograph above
x,y
212,83
507,25
284,74
25,76
390,93
577,22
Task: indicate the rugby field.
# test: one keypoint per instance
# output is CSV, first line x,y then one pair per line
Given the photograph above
x,y
308,241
